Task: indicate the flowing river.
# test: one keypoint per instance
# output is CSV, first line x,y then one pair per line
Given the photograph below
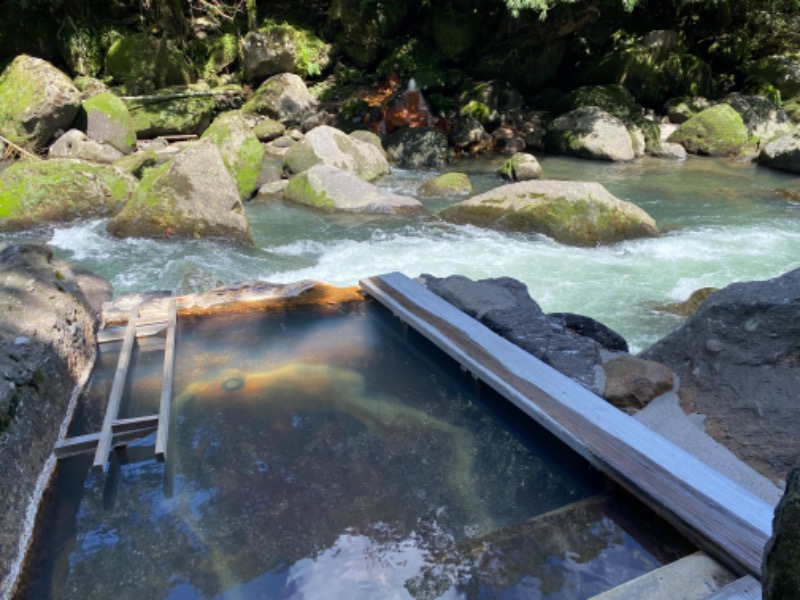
x,y
721,222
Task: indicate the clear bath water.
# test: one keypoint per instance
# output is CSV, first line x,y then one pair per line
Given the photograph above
x,y
331,456
721,222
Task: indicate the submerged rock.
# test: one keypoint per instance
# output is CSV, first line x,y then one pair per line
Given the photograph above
x,y
334,190
576,213
192,196
35,192
36,100
47,346
738,359
446,185
327,145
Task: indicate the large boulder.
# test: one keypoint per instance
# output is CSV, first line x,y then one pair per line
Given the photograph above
x,y
781,577
283,48
504,306
417,147
36,100
762,117
782,153
76,144
738,359
329,146
233,134
178,110
35,192
716,131
330,189
47,348
652,72
571,212
106,119
191,196
283,97
590,132
144,63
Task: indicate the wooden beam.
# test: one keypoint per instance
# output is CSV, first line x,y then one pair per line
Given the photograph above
x,y
716,513
82,444
162,437
115,397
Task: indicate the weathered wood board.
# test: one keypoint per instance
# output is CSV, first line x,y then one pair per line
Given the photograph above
x,y
715,512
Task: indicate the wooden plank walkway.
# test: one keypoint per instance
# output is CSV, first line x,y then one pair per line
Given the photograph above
x,y
716,513
162,436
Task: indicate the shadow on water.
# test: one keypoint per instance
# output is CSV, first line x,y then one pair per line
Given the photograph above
x,y
336,457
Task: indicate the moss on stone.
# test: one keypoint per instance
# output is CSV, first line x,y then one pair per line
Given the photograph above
x,y
301,191
144,63
110,105
189,115
222,53
34,192
717,131
18,91
447,184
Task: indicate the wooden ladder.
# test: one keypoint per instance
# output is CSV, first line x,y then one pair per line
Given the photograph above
x,y
115,432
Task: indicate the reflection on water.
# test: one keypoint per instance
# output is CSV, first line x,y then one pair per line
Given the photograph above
x,y
329,458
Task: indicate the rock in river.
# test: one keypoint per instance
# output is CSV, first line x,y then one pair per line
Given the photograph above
x,y
571,212
193,195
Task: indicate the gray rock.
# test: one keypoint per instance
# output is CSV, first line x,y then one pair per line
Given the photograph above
x,y
243,154
105,119
669,150
329,146
783,153
521,167
36,100
571,212
445,185
737,359
193,195
267,54
47,345
590,132
283,97
681,109
76,144
504,306
761,117
418,147
334,190
663,39
466,132
781,577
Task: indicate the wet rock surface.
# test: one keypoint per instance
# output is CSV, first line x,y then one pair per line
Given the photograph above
x,y
47,342
738,358
780,577
504,306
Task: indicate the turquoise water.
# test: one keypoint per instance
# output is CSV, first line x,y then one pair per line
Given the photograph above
x,y
721,222
320,457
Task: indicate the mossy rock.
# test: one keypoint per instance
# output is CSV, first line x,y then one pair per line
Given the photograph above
x,y
240,148
653,74
81,48
360,28
138,162
455,34
574,213
36,100
520,167
144,63
781,73
313,55
614,99
717,131
105,119
180,112
223,52
35,192
446,185
689,306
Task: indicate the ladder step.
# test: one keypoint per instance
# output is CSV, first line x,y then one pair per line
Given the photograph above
x,y
162,436
124,432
